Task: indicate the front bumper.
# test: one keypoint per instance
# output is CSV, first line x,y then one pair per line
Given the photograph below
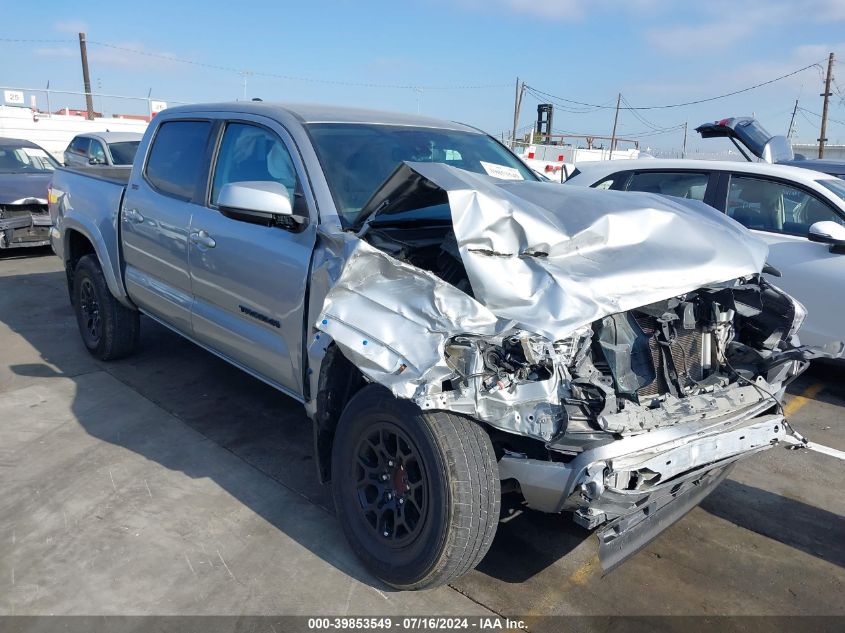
x,y
25,230
638,485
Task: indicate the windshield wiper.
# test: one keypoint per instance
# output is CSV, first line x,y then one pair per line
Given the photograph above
x,y
399,221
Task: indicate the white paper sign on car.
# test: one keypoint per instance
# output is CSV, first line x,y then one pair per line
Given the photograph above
x,y
501,172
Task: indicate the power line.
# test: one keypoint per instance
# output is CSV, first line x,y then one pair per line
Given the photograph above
x,y
686,103
34,41
543,97
667,130
819,116
232,69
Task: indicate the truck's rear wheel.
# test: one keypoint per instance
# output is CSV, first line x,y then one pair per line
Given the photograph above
x,y
109,329
417,493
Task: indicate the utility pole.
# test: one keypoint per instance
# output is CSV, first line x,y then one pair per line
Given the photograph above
x,y
684,150
86,77
615,121
792,121
245,74
826,94
517,104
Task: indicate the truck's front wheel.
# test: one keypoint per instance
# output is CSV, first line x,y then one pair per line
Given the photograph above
x,y
109,329
417,493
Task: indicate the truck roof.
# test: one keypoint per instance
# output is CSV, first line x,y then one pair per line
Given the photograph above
x,y
316,113
112,137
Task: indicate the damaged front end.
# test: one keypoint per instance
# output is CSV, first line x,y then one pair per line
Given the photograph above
x,y
622,349
24,222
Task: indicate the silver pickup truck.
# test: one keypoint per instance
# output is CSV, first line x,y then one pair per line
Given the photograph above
x,y
454,327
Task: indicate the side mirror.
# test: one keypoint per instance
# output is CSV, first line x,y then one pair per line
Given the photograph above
x,y
94,161
260,202
828,232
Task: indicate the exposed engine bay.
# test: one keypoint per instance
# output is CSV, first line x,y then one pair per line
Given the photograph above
x,y
625,373
623,350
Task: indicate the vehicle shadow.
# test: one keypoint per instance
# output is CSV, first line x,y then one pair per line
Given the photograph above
x,y
810,529
262,427
25,253
270,432
831,374
528,542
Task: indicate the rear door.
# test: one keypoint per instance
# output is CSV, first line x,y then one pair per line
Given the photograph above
x,y
156,217
781,213
249,280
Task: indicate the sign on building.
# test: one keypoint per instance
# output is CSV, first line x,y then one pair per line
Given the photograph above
x,y
157,106
13,97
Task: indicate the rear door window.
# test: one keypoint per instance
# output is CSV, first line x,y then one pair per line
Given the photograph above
x,y
686,184
614,181
176,158
79,145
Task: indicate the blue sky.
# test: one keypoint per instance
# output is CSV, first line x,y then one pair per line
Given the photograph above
x,y
653,51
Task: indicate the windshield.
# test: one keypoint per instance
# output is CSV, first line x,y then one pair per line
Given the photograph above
x,y
14,160
358,158
835,185
123,153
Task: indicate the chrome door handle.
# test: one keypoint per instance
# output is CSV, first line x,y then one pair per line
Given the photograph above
x,y
202,239
133,216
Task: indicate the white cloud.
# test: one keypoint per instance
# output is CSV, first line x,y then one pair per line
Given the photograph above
x,y
56,52
557,9
70,26
721,25
692,40
130,55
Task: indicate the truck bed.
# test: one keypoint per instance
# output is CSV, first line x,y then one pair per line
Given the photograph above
x,y
119,175
91,198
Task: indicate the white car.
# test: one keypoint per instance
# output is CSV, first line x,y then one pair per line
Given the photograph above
x,y
800,213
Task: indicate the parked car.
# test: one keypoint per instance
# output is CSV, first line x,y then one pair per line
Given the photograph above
x,y
445,323
746,132
102,148
799,213
25,173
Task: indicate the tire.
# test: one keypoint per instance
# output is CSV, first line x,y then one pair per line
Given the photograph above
x,y
417,493
109,329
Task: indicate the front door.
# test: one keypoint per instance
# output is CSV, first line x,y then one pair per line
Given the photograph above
x,y
781,214
249,280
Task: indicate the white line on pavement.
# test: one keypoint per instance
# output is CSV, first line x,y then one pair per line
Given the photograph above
x,y
826,450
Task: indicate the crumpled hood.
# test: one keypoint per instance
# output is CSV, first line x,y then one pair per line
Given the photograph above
x,y
15,187
553,258
541,257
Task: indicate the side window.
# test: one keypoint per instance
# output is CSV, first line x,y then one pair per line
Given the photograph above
x,y
609,182
768,205
176,157
79,145
250,153
97,152
690,185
